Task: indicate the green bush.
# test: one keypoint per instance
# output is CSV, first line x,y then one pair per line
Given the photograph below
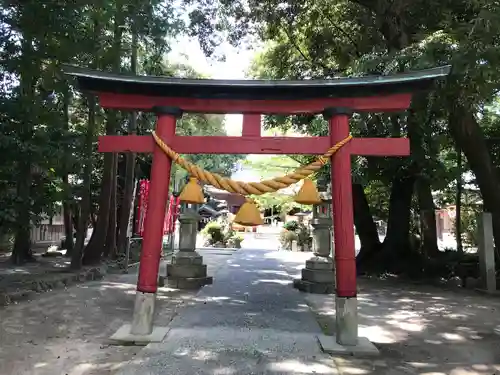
x,y
286,238
235,241
304,236
291,225
214,232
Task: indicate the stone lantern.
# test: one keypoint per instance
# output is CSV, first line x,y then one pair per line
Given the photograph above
x,y
187,270
319,274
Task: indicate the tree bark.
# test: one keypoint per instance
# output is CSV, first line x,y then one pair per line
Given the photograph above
x,y
68,225
458,205
365,226
427,216
468,135
84,216
128,190
110,246
21,251
397,240
97,242
95,247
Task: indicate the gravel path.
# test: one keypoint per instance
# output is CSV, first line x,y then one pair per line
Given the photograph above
x,y
250,321
65,331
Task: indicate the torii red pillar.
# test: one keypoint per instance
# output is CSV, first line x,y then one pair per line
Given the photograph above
x,y
343,225
142,323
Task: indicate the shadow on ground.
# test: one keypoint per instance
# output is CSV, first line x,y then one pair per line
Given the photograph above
x,y
247,326
252,321
67,331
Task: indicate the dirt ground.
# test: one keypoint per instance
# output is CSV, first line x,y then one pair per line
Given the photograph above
x,y
65,331
419,330
422,330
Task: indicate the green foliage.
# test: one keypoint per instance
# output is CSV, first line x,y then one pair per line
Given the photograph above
x,y
327,39
45,119
304,236
286,238
213,231
221,234
234,241
292,225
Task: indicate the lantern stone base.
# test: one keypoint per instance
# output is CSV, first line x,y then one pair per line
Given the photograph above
x,y
186,271
318,277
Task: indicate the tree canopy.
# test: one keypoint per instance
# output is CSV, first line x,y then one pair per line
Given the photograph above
x,y
49,128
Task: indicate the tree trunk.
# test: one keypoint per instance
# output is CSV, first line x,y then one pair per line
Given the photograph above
x,y
68,225
365,226
128,190
84,216
95,247
97,242
110,247
458,205
397,239
21,251
468,135
427,216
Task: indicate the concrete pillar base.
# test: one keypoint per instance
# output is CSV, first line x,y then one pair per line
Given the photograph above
x,y
141,331
346,320
363,347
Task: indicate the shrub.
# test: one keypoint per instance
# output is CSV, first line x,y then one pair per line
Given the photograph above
x,y
304,236
291,225
235,241
286,238
213,231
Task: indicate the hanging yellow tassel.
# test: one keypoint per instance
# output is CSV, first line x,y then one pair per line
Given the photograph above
x,y
308,193
248,214
192,192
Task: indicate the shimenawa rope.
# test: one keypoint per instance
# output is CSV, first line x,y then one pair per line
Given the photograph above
x,y
250,188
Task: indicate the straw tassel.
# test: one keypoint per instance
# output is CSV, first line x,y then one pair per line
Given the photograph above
x,y
192,192
308,193
248,214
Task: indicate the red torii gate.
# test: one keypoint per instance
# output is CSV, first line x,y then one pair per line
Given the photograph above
x,y
168,98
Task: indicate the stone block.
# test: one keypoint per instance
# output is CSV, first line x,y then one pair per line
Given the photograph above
x,y
320,263
187,258
190,283
318,276
314,288
186,270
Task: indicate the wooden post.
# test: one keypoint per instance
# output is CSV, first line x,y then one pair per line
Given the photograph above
x,y
346,316
158,194
147,283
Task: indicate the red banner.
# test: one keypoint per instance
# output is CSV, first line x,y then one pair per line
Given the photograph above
x,y
172,214
142,206
142,209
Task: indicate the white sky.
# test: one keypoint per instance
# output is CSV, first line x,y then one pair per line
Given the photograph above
x,y
187,51
237,62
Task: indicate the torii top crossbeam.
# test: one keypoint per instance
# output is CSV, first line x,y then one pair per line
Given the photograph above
x,y
253,98
374,93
